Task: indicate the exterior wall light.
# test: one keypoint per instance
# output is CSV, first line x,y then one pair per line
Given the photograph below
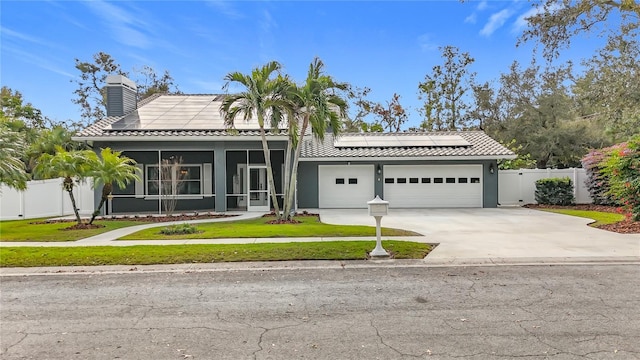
x,y
491,168
379,169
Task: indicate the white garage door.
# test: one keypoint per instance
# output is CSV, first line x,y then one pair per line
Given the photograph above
x,y
427,186
345,186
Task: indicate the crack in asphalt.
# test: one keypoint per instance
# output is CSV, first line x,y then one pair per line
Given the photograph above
x,y
6,350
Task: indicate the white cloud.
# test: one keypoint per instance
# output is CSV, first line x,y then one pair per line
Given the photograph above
x,y
471,19
8,33
38,60
225,8
482,5
426,43
521,21
496,21
128,28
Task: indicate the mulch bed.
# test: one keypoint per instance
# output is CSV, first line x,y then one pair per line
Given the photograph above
x,y
140,218
627,226
292,221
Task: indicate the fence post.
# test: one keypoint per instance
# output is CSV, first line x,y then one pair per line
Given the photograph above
x,y
575,183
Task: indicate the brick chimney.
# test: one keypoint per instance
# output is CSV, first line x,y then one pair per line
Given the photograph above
x,y
121,95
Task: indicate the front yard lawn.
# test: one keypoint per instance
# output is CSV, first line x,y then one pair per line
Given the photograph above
x,y
203,253
37,230
600,218
309,226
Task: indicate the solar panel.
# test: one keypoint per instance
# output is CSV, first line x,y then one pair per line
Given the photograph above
x,y
181,112
399,140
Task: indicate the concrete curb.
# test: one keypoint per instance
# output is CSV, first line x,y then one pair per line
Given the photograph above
x,y
314,265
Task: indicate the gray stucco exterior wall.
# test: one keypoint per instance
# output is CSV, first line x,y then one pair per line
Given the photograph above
x,y
218,148
308,178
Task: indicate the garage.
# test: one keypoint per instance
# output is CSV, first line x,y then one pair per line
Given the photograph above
x,y
345,186
433,186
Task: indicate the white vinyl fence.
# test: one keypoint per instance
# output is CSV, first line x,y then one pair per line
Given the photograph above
x,y
517,187
44,198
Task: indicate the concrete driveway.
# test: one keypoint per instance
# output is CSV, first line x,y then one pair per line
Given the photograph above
x,y
501,235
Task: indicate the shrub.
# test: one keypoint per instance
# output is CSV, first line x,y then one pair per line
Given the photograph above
x,y
622,167
555,191
597,182
179,229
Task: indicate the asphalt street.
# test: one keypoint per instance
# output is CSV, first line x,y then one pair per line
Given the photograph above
x,y
385,312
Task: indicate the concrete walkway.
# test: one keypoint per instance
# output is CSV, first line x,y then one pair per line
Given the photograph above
x,y
465,236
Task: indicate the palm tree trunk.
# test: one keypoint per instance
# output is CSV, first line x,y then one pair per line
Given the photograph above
x,y
106,190
287,178
68,186
294,168
267,160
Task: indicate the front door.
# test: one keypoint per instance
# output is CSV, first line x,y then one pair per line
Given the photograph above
x,y
258,189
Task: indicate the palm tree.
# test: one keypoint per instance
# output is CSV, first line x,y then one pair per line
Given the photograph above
x,y
46,141
316,104
111,168
72,166
12,169
264,96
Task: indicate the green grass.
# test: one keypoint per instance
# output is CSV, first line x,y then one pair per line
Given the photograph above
x,y
203,253
310,226
26,230
599,217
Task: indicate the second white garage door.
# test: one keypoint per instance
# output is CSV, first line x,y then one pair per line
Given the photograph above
x,y
345,186
426,186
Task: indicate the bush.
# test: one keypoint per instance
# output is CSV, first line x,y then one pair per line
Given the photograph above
x,y
622,167
555,191
597,182
179,229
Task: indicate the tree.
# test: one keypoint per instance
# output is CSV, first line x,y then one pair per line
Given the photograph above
x,y
47,141
265,97
608,93
12,169
72,166
110,168
443,91
553,24
358,123
149,83
91,92
317,104
13,109
536,109
392,116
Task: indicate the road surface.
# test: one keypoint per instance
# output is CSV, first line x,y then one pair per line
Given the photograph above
x,y
504,312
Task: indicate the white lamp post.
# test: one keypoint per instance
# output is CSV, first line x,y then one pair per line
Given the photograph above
x,y
378,208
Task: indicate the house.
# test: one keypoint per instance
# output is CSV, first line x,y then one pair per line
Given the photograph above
x,y
217,169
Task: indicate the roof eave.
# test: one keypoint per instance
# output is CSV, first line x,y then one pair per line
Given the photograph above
x,y
400,158
180,138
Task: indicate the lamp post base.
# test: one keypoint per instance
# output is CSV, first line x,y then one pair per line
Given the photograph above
x,y
379,253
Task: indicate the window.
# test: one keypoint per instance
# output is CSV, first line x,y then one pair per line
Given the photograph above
x,y
353,181
426,180
176,180
451,180
389,180
413,180
462,180
475,180
401,180
437,180
339,181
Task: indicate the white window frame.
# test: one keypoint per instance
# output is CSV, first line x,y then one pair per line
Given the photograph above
x,y
173,183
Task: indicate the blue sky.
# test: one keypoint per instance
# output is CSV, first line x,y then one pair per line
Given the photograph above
x,y
387,46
